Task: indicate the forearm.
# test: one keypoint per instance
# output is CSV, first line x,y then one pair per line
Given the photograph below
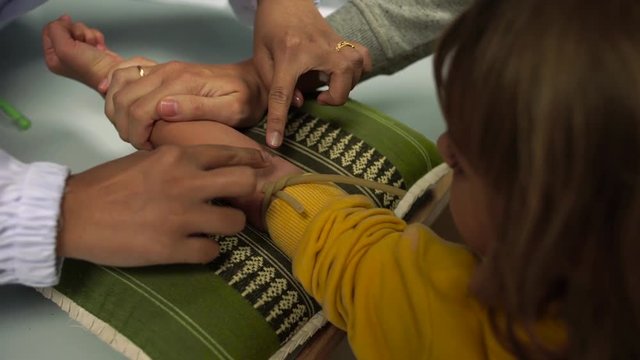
x,y
396,32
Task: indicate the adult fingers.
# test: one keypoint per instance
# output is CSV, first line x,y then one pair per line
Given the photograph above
x,y
215,219
208,157
340,84
194,250
125,88
345,75
225,182
227,109
280,95
114,105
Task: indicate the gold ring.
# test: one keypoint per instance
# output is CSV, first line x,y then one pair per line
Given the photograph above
x,y
140,71
343,44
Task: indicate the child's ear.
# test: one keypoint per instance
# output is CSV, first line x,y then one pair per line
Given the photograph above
x,y
446,150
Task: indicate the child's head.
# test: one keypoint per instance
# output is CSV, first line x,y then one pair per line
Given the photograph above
x,y
542,102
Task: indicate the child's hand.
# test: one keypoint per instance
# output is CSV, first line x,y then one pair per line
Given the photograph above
x,y
77,51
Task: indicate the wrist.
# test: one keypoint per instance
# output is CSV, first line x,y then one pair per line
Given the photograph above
x,y
252,205
65,244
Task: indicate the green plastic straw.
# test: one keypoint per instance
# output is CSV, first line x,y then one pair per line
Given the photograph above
x,y
13,116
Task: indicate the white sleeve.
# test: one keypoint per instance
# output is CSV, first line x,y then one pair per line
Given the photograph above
x,y
30,198
245,10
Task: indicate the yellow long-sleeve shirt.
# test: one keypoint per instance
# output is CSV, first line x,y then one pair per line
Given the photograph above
x,y
398,290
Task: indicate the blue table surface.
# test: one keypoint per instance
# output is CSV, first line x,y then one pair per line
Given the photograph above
x,y
69,126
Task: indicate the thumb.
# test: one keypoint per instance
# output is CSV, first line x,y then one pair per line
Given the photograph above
x,y
224,109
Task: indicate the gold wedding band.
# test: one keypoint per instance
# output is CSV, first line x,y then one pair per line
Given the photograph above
x,y
343,44
140,71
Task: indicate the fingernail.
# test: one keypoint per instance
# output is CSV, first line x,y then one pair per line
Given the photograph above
x,y
298,100
104,85
168,108
274,139
101,47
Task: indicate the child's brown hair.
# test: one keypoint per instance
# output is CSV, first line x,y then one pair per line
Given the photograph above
x,y
543,100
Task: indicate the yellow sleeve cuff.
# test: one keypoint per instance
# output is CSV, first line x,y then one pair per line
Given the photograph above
x,y
286,226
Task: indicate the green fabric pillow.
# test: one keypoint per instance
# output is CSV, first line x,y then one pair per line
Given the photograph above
x,y
246,304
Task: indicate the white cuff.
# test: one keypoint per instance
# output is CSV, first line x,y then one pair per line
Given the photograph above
x,y
30,198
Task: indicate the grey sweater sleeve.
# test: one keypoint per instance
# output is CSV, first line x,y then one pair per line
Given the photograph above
x,y
396,32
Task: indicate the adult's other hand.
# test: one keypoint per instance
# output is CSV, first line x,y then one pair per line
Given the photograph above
x,y
149,207
291,40
231,94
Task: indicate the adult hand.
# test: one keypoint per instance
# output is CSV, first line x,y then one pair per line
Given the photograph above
x,y
148,207
231,94
292,40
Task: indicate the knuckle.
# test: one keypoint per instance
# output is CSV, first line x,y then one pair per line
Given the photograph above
x,y
137,58
118,99
292,41
169,154
197,108
172,66
339,96
279,95
122,134
357,62
118,75
276,121
345,67
364,51
239,111
136,113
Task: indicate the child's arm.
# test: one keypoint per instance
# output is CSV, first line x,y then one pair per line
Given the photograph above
x,y
396,289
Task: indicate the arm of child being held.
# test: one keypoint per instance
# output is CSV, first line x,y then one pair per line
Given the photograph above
x,y
388,284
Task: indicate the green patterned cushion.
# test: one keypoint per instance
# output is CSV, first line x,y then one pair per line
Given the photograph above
x,y
246,304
